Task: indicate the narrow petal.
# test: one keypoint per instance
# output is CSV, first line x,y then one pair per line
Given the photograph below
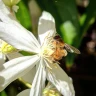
x,y
2,56
19,37
18,34
16,68
24,93
13,55
60,80
2,59
30,75
46,26
6,13
38,83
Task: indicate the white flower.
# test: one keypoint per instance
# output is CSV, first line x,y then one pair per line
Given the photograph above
x,y
17,36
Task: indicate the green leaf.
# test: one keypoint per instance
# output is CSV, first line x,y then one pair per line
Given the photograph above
x,y
86,20
89,18
26,53
68,12
69,32
90,13
3,93
23,15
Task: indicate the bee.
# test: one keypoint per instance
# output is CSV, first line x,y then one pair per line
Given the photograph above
x,y
60,48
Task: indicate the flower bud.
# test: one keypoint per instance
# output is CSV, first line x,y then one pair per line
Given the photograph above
x,y
11,3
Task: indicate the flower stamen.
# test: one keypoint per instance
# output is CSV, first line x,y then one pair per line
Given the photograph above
x,y
6,48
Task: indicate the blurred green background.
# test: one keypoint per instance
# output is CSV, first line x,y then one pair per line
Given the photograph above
x,y
76,24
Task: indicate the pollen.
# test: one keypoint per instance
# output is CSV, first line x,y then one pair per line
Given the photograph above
x,y
46,51
53,49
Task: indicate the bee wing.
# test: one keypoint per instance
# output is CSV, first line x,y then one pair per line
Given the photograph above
x,y
71,49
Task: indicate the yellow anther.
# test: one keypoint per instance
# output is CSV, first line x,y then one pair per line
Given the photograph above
x,y
6,48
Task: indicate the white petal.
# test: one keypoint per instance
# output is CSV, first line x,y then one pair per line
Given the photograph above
x,y
30,75
1,41
46,26
13,55
3,7
5,15
5,11
26,38
24,93
38,83
19,37
16,68
60,80
2,59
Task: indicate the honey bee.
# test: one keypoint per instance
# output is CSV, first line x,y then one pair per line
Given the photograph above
x,y
61,48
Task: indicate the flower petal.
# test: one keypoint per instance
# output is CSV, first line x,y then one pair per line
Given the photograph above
x,y
13,55
2,59
16,68
18,34
46,26
38,83
19,37
60,80
30,75
5,14
24,93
